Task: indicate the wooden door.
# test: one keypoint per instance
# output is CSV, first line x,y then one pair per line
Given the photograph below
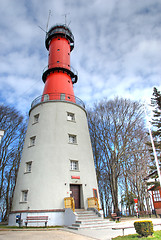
x,y
75,189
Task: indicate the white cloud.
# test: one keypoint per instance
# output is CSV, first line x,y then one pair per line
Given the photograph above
x,y
117,47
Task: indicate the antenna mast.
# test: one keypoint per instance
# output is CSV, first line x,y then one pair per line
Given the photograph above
x,y
47,23
48,20
65,15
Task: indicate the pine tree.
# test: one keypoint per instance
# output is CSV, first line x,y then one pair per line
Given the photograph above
x,y
156,132
156,121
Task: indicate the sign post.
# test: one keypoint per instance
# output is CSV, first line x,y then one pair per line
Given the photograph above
x,y
136,207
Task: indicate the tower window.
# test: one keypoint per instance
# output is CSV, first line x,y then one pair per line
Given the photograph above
x,y
72,139
24,195
74,165
28,167
58,49
36,118
70,116
46,97
32,141
57,61
62,96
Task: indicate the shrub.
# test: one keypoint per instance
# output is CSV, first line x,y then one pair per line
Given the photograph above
x,y
144,228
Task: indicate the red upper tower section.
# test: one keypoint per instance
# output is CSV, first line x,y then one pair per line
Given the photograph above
x,y
59,77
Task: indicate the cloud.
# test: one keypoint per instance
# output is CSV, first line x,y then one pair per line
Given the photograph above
x,y
117,47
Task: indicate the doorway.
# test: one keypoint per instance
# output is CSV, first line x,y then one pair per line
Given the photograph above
x,y
75,193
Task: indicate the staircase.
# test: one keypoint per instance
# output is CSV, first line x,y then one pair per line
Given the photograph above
x,y
88,219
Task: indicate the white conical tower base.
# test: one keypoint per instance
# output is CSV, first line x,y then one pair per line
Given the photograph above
x,y
57,155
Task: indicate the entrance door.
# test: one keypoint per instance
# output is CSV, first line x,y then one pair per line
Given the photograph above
x,y
75,189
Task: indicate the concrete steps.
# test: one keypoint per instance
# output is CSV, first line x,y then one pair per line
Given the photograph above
x,y
89,219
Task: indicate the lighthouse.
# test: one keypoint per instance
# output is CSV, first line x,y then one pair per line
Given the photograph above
x,y
57,169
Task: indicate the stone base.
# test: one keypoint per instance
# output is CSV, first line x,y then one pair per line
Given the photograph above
x,y
55,218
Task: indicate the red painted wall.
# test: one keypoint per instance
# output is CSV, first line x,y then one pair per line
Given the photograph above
x,y
59,50
157,204
59,56
58,82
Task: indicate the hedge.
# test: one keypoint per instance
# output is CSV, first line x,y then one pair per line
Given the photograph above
x,y
144,228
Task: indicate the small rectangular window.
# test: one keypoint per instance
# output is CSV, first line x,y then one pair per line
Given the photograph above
x,y
32,141
36,118
28,167
95,193
156,195
46,97
70,116
24,196
74,165
62,96
72,139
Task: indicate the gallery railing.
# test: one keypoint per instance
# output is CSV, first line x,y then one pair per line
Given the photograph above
x,y
57,97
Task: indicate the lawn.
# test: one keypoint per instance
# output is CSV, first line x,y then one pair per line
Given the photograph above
x,y
156,235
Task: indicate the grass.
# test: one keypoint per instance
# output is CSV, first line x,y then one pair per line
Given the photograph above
x,y
156,235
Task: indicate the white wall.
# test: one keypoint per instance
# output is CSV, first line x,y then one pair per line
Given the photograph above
x,y
54,219
50,179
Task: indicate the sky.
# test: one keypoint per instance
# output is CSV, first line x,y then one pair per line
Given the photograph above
x,y
117,48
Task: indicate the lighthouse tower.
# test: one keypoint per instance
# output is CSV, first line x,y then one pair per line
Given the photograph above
x,y
57,167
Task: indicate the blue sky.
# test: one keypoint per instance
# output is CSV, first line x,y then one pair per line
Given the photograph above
x,y
117,48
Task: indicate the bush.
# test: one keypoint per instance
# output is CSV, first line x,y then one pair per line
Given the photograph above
x,y
144,228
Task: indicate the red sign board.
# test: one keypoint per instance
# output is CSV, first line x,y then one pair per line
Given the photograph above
x,y
75,177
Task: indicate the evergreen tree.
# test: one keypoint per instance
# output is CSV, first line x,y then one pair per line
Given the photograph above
x,y
156,121
156,132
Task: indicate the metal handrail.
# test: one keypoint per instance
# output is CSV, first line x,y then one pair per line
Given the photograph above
x,y
57,97
93,203
69,203
61,65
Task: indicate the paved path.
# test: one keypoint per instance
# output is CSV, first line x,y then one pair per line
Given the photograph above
x,y
108,233
66,234
41,235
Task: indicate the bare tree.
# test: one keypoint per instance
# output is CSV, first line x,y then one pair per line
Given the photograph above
x,y
10,153
115,128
